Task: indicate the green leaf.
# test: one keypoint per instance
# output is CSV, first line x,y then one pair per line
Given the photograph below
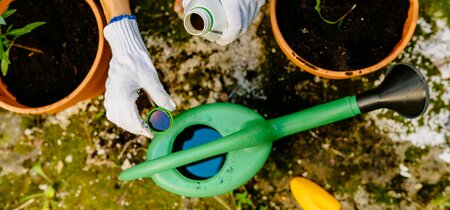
x,y
99,115
8,13
6,55
18,32
28,197
9,28
4,67
2,21
50,192
239,205
6,43
38,169
1,51
46,205
34,25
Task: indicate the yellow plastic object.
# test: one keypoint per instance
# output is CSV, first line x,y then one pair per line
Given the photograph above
x,y
311,196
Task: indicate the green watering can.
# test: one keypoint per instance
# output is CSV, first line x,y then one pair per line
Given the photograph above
x,y
215,148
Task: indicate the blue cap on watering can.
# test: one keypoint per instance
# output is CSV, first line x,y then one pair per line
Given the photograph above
x,y
159,120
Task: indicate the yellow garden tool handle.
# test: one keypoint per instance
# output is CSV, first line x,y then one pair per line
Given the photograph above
x,y
311,196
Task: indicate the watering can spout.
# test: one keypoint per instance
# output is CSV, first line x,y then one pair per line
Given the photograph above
x,y
404,90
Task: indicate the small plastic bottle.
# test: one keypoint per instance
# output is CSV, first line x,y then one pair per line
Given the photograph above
x,y
205,18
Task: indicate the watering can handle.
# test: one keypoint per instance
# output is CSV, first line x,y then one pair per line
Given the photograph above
x,y
232,142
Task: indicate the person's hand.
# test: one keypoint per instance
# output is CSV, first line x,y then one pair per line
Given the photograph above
x,y
130,70
239,14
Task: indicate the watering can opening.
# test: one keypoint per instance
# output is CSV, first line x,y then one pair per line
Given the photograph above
x,y
193,136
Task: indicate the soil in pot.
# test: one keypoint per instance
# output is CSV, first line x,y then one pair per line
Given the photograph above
x,y
68,41
367,35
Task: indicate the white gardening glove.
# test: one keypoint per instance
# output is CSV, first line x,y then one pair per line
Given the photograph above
x,y
130,69
239,14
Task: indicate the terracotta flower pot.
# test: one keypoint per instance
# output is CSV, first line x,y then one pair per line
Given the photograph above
x,y
91,86
408,31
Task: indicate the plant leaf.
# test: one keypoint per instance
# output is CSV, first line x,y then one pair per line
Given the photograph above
x,y
50,192
38,169
8,13
6,43
6,55
2,21
18,32
1,51
9,28
239,205
46,205
34,25
4,67
28,197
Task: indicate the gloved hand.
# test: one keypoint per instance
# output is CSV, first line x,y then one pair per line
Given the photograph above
x,y
130,69
239,14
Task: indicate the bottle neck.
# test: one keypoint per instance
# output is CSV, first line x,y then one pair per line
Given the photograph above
x,y
198,21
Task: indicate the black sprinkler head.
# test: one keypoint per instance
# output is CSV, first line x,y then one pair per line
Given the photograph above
x,y
404,90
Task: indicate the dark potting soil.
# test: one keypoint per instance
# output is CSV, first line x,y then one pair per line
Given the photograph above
x,y
367,35
69,43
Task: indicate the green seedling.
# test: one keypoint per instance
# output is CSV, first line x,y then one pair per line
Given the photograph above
x,y
8,38
38,169
243,199
46,197
442,201
338,21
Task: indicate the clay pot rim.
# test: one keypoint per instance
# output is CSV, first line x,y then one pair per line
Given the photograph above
x,y
78,93
408,31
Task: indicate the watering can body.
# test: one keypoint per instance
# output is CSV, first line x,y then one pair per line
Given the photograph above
x,y
229,120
